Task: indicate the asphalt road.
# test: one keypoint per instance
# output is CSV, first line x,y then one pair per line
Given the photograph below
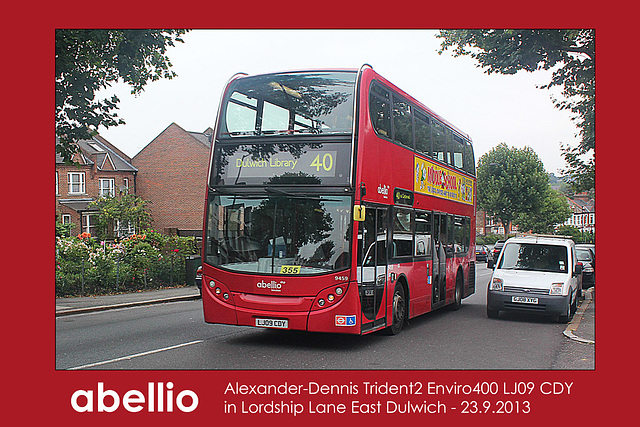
x,y
174,336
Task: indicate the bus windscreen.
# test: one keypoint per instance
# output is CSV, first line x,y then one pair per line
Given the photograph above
x,y
270,234
289,104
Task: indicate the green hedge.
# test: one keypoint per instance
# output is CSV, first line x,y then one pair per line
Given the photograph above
x,y
85,266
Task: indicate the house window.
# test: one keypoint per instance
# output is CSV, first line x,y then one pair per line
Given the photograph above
x,y
124,229
89,221
95,146
126,184
57,184
107,187
76,183
66,219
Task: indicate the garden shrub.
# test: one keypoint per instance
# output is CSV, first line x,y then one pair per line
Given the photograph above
x,y
143,261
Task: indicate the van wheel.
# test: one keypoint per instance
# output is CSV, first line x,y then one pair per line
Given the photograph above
x,y
564,318
399,312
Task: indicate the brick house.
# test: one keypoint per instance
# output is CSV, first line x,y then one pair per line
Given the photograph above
x,y
583,213
100,168
171,176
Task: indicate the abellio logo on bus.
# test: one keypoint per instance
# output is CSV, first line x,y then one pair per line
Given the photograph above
x,y
272,285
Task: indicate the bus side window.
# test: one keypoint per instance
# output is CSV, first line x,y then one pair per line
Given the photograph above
x,y
457,148
402,123
439,142
423,233
422,133
380,110
467,159
403,232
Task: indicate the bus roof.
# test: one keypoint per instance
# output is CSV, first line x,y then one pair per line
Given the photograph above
x,y
365,69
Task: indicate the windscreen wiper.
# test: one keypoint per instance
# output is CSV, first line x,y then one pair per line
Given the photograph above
x,y
297,196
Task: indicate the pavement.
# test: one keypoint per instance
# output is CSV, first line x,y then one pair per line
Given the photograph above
x,y
581,328
89,304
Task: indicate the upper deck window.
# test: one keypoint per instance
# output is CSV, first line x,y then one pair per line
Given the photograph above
x,y
288,104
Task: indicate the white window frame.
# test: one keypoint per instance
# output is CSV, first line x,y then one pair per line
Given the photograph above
x,y
89,222
124,230
81,182
66,219
96,146
109,189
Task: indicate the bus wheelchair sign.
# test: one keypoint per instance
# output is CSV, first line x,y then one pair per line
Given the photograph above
x,y
342,320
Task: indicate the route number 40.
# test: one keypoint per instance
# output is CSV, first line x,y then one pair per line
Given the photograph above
x,y
326,163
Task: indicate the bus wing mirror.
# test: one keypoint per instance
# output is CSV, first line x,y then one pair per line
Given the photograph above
x,y
359,212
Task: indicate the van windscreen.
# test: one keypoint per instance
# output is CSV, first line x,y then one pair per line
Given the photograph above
x,y
536,257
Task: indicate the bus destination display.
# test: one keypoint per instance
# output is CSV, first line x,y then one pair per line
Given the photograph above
x,y
262,164
312,163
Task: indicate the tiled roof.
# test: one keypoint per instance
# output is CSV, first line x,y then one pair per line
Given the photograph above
x,y
96,150
202,137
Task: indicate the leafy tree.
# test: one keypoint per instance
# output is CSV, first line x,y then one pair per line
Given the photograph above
x,y
62,230
570,230
571,52
511,182
90,60
575,233
554,210
125,209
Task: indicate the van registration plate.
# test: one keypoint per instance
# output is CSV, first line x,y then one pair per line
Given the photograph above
x,y
524,300
273,323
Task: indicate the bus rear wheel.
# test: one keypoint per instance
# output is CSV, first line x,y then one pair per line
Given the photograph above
x,y
457,296
399,310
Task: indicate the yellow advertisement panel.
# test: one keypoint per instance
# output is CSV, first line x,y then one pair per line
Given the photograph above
x,y
434,180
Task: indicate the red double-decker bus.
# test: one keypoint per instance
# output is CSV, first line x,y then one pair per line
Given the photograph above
x,y
336,203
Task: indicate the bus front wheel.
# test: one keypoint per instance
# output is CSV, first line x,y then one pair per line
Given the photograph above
x,y
399,309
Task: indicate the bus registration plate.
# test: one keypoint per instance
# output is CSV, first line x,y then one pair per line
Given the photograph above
x,y
273,323
524,300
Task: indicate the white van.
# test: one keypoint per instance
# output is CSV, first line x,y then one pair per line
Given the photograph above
x,y
537,274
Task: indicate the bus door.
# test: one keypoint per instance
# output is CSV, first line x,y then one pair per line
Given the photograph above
x,y
439,278
372,267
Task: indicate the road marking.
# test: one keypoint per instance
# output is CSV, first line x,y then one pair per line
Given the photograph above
x,y
575,322
146,353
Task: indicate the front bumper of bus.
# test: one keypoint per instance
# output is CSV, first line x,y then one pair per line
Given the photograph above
x,y
281,312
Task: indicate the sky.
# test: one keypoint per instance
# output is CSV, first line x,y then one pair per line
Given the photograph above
x,y
490,108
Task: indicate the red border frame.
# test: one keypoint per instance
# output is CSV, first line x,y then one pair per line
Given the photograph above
x,y
37,392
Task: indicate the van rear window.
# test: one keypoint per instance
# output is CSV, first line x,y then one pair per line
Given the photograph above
x,y
536,257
